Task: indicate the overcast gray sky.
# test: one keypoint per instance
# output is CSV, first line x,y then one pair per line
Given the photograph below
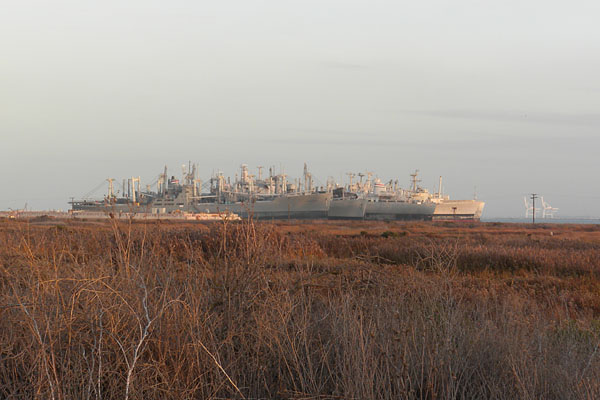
x,y
501,95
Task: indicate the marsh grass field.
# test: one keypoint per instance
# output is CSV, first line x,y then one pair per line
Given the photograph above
x,y
298,309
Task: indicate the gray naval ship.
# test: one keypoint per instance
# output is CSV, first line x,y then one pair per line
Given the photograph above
x,y
274,196
248,195
374,200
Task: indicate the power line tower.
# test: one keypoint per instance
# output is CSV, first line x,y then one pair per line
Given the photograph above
x,y
533,197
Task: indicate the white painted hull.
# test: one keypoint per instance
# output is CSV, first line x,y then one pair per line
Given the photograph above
x,y
458,209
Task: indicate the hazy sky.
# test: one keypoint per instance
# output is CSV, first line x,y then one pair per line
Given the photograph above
x,y
504,95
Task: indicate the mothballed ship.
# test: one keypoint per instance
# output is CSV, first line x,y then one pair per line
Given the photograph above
x,y
274,196
445,208
373,200
270,197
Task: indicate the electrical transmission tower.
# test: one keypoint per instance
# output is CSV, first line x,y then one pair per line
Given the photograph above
x,y
533,197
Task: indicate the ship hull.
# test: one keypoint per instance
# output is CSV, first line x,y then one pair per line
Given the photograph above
x,y
347,209
311,206
458,210
397,210
110,208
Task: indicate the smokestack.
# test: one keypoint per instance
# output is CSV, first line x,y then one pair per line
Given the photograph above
x,y
165,181
110,188
133,189
305,178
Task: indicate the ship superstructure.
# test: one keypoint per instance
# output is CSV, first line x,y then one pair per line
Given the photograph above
x,y
373,199
131,199
276,195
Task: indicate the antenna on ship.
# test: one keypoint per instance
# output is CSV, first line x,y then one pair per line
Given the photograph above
x,y
440,188
350,176
165,180
283,183
260,167
414,180
196,183
305,178
369,181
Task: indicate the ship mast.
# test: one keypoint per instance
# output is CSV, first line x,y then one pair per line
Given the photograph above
x,y
414,180
110,188
260,167
350,176
306,188
133,189
163,182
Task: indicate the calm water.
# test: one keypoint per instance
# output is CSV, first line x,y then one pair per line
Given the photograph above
x,y
565,220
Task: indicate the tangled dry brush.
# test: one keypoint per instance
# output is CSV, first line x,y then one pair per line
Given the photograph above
x,y
247,310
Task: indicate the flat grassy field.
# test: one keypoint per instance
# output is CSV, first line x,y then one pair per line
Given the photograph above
x,y
298,309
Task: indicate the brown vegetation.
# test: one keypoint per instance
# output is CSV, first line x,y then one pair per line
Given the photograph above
x,y
298,310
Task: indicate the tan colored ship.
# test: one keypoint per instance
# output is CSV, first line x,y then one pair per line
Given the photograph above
x,y
277,196
458,210
447,209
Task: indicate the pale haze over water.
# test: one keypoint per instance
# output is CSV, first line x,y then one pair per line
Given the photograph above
x,y
504,96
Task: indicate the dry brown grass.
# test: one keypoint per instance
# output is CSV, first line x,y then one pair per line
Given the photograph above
x,y
321,310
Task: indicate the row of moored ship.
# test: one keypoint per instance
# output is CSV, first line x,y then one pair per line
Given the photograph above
x,y
275,196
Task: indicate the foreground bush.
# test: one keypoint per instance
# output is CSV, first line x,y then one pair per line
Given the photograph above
x,y
246,311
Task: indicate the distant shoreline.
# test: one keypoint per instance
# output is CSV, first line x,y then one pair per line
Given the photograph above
x,y
565,220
